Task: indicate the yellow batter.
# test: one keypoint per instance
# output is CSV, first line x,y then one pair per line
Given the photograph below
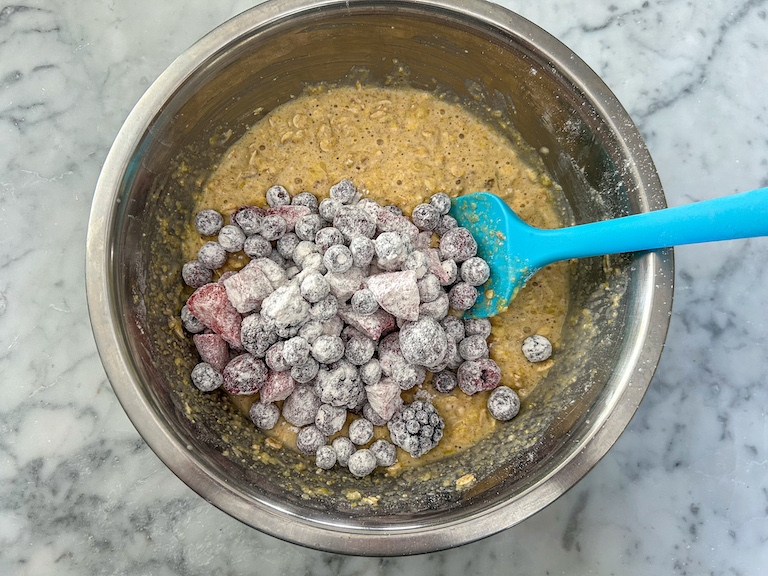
x,y
400,146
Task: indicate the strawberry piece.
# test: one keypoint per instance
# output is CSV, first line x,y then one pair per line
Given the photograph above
x,y
278,386
291,214
343,286
435,266
397,293
389,353
387,221
373,325
384,398
210,305
248,288
212,349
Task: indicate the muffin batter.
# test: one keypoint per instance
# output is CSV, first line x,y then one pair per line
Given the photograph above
x,y
400,146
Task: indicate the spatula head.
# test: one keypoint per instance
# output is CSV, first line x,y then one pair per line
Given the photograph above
x,y
502,240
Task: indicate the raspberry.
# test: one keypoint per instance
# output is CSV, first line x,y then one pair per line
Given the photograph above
x,y
444,381
305,199
305,373
249,219
279,386
337,259
340,386
462,296
477,326
273,227
212,255
195,274
362,463
232,238
300,408
361,431
308,226
423,342
416,428
537,348
330,419
385,453
208,222
344,449
309,439
245,374
364,303
328,208
206,378
362,250
425,216
473,347
457,244
503,403
475,271
190,323
265,416
256,246
278,196
478,376
257,335
345,192
325,457
442,203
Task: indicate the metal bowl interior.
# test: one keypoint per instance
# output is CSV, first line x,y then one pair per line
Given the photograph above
x,y
483,54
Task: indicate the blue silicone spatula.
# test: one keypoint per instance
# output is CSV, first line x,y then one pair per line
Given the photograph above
x,y
515,251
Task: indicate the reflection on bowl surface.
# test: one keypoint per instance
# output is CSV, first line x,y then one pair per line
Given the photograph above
x,y
613,330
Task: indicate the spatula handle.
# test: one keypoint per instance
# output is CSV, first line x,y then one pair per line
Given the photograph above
x,y
742,215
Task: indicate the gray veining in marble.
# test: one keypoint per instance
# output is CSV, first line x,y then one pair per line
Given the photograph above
x,y
684,491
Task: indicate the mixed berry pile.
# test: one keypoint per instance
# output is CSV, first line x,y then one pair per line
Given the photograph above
x,y
343,305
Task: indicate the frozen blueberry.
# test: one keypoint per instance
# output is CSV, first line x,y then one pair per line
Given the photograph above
x,y
423,342
479,326
327,237
273,226
345,191
311,330
391,250
206,378
309,439
325,309
473,347
274,358
462,296
245,374
353,222
429,287
277,259
537,348
291,272
278,196
344,449
359,350
232,238
454,328
257,335
314,287
190,323
286,245
425,216
265,416
503,403
364,302
212,255
314,261
249,219
333,326
372,416
340,386
328,349
442,203
450,272
328,208
478,376
308,226
325,457
457,244
302,250
396,210
446,223
418,262
305,373
406,376
444,381
300,408
330,419
195,274
370,372
360,431
208,222
416,428
362,249
295,351
338,259
362,463
256,246
385,453
305,199
475,271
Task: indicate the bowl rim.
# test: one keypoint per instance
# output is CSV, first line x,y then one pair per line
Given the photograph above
x,y
409,539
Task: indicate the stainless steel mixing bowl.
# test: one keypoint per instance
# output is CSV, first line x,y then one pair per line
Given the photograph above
x,y
493,58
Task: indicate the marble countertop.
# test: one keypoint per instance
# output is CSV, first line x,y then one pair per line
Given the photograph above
x,y
685,489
